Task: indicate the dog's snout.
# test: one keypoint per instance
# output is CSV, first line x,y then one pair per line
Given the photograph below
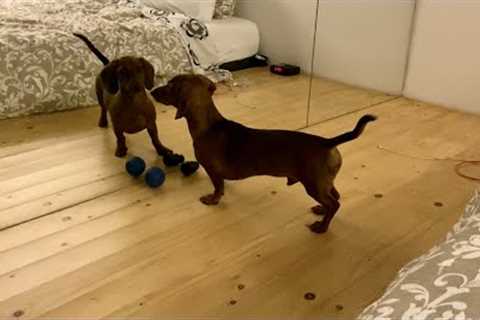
x,y
134,87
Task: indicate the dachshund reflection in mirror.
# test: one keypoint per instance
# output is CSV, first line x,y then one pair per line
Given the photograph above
x,y
229,150
120,89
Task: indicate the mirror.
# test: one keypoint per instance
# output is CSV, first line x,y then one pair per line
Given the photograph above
x,y
286,36
359,56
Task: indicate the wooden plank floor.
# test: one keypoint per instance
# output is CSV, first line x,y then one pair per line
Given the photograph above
x,y
79,238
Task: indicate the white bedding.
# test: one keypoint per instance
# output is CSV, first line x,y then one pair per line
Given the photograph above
x,y
234,38
201,9
213,43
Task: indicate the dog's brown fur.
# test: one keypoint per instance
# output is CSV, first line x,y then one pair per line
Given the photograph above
x,y
229,150
120,89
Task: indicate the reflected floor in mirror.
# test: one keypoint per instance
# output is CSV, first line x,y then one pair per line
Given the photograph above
x,y
330,99
259,98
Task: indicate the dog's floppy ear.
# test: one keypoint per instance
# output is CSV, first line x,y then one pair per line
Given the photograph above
x,y
179,100
109,77
149,73
211,85
181,108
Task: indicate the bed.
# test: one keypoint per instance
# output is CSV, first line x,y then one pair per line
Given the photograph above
x,y
44,68
245,33
443,284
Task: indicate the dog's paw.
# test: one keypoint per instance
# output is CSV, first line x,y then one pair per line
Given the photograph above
x,y
173,159
318,227
121,152
210,199
319,210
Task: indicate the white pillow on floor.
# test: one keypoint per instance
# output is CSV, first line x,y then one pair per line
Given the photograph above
x,y
199,9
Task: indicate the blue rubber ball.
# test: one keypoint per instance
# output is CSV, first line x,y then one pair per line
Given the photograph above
x,y
135,166
154,177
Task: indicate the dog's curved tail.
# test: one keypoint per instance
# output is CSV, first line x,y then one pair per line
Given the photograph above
x,y
355,133
90,45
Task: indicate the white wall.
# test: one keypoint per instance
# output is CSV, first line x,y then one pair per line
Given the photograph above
x,y
444,65
360,42
364,43
286,28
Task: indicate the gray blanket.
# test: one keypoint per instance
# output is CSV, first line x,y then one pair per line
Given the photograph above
x,y
443,284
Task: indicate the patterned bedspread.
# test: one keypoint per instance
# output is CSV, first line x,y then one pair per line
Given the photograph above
x,y
443,284
44,68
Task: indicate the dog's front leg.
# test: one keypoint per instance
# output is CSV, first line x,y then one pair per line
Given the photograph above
x,y
169,157
121,144
159,147
214,198
103,121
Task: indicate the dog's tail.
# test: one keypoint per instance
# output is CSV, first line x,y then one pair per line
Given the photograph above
x,y
90,45
355,133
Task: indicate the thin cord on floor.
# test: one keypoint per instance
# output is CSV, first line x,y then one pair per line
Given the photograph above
x,y
462,163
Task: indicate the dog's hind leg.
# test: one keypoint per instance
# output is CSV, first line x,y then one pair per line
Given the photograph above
x,y
320,210
322,184
329,206
218,183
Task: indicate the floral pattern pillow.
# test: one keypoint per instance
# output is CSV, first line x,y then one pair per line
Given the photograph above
x,y
443,284
224,8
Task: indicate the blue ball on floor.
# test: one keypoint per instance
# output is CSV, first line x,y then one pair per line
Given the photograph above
x,y
154,177
135,166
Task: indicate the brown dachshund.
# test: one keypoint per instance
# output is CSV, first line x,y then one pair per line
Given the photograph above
x,y
229,150
120,89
